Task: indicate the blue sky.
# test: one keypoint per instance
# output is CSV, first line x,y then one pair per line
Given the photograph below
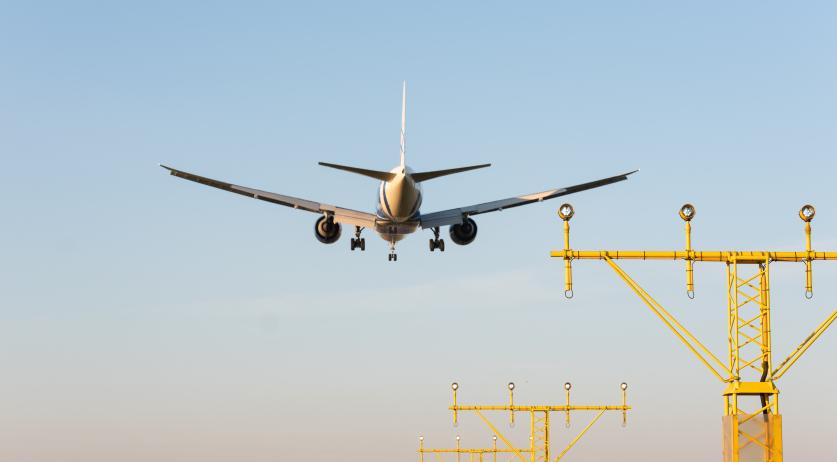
x,y
146,318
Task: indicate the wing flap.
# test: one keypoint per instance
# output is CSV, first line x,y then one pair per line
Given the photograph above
x,y
443,218
341,215
350,217
456,216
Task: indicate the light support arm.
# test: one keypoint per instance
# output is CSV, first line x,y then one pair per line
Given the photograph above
x,y
565,212
686,337
455,386
800,350
511,404
497,433
578,437
567,387
687,212
806,213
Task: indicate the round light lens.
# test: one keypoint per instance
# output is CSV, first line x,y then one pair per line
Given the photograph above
x,y
624,386
454,386
511,385
807,212
565,211
567,386
687,212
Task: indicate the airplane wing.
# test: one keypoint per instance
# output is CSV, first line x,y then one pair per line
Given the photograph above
x,y
456,216
341,215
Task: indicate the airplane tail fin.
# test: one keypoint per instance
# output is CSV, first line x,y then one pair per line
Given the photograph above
x,y
403,123
378,175
424,176
389,176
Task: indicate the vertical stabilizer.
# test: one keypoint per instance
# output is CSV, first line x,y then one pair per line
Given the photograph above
x,y
403,123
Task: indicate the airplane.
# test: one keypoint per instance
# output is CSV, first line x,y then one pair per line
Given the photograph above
x,y
399,199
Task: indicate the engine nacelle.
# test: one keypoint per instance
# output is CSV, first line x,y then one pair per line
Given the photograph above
x,y
465,233
327,231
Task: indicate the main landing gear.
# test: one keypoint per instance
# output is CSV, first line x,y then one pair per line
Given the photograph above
x,y
437,243
357,241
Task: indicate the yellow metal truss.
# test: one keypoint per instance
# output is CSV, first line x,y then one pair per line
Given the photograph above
x,y
752,423
539,429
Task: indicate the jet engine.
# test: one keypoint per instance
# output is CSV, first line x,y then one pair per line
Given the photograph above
x,y
465,233
326,230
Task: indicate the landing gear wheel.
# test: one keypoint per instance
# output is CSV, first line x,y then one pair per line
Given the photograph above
x,y
353,244
437,243
393,257
357,241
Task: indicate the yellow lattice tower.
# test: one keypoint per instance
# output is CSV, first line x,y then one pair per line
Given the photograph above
x,y
752,423
539,428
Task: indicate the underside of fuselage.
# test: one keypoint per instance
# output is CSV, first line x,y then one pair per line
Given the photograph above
x,y
394,232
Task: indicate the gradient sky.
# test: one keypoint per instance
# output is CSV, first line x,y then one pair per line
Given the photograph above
x,y
143,317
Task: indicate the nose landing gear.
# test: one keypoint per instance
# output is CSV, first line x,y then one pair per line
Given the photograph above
x,y
437,243
392,255
357,241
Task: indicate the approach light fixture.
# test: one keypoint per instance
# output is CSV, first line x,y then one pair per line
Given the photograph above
x,y
565,211
807,213
567,386
454,386
687,212
624,386
511,385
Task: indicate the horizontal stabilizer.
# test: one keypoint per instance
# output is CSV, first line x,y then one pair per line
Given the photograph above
x,y
424,176
383,176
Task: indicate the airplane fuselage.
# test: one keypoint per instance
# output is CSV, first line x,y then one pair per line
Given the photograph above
x,y
398,205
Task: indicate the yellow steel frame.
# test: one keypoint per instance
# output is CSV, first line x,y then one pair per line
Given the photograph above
x,y
539,429
749,371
